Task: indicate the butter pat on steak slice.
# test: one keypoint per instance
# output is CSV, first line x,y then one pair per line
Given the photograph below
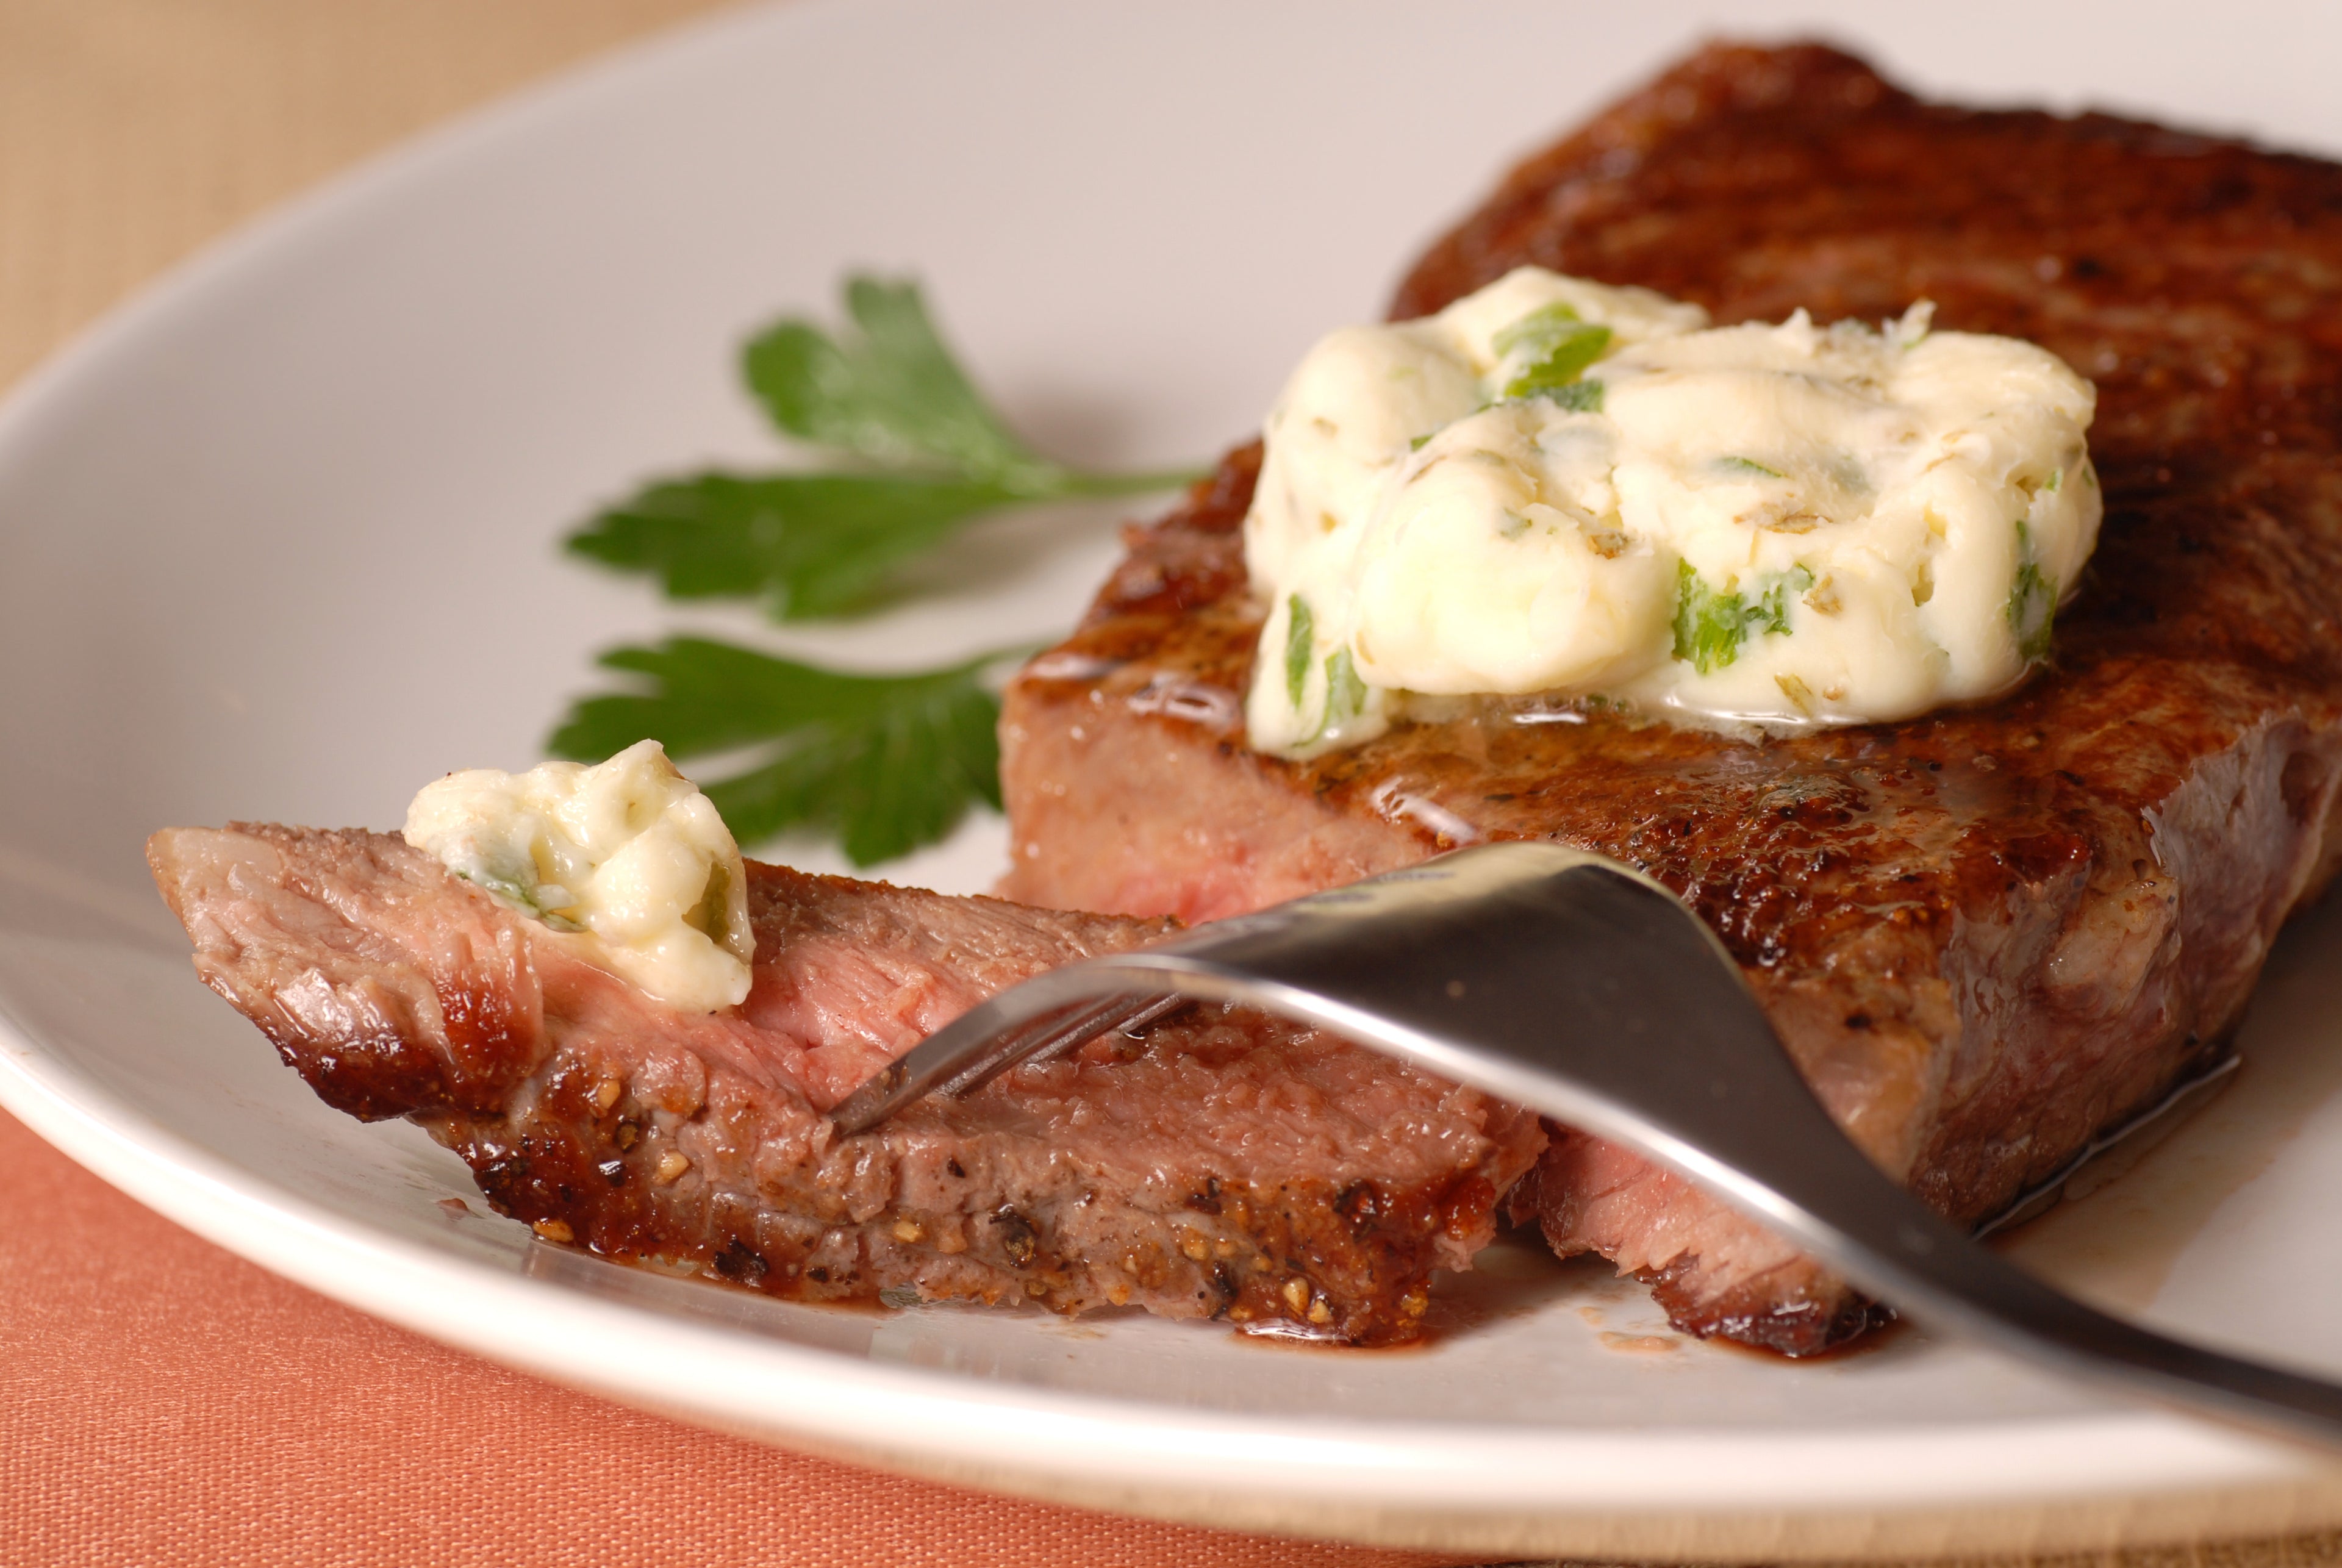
x,y
1234,1167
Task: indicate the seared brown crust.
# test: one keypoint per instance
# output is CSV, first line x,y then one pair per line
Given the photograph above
x,y
1984,935
1235,1166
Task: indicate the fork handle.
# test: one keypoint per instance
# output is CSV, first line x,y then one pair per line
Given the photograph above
x,y
1568,984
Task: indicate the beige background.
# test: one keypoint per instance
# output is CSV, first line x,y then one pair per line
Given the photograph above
x,y
131,131
161,1401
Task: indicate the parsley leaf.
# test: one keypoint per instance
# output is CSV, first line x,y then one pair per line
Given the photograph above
x,y
1579,396
2032,612
1300,632
2032,608
894,396
1537,332
1562,363
1345,693
1558,347
1710,627
884,763
930,456
811,544
1771,610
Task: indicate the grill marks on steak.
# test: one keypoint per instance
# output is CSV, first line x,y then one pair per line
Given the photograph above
x,y
1235,1166
1984,935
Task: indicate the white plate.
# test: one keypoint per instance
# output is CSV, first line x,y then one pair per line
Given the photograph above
x,y
277,543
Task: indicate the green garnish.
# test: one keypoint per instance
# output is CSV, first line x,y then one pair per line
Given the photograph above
x,y
1538,331
1346,694
2057,477
1300,629
505,888
931,455
884,762
1561,365
892,396
1748,465
2032,608
1418,443
1557,345
1710,627
1579,397
1771,610
808,544
2032,599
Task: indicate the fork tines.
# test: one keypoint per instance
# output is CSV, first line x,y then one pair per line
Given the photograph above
x,y
960,1070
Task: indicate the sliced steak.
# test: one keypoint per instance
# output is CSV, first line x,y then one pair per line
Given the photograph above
x,y
1235,1166
1986,934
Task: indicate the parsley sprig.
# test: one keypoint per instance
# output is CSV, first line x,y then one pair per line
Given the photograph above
x,y
922,456
882,763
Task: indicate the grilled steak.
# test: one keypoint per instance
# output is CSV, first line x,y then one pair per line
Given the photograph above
x,y
1985,936
1235,1166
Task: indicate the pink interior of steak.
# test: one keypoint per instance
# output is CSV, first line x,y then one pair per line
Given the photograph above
x,y
1986,934
1234,1166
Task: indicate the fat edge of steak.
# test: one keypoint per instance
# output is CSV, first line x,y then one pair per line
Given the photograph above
x,y
1987,935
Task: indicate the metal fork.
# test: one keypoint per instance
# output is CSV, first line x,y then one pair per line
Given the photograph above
x,y
1567,983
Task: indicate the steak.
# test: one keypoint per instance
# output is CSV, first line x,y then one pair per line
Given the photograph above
x,y
1985,935
1232,1166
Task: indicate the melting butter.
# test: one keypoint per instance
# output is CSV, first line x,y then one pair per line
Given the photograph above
x,y
626,857
1557,487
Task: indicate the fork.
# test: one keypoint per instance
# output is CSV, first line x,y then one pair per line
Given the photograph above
x,y
1566,983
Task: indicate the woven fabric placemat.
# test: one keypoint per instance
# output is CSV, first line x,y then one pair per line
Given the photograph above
x,y
165,1403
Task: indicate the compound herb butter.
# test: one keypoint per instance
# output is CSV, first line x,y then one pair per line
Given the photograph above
x,y
1556,487
626,857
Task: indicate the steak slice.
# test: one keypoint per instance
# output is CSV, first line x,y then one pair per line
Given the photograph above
x,y
1234,1166
1984,935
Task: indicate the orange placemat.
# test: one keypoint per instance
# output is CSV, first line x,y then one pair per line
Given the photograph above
x,y
170,1405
